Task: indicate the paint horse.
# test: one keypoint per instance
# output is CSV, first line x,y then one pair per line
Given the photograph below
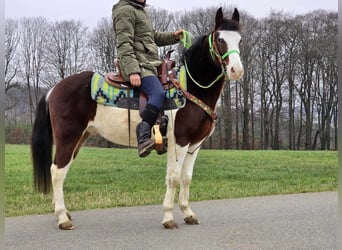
x,y
67,115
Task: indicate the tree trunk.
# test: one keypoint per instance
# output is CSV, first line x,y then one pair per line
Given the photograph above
x,y
237,145
228,117
245,129
291,115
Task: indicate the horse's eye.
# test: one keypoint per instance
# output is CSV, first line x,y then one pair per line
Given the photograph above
x,y
220,40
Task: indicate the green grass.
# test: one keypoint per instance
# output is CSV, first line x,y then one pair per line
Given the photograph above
x,y
101,178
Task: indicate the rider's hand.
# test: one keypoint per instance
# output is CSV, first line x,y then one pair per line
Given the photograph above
x,y
135,80
179,34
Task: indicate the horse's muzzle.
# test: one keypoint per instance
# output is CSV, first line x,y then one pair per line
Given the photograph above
x,y
235,72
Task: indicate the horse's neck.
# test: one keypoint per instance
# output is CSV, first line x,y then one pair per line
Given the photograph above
x,y
204,72
202,63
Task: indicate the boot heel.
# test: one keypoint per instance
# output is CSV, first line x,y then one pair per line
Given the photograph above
x,y
145,148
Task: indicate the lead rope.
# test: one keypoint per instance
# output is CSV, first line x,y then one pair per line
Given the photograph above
x,y
200,85
186,39
213,52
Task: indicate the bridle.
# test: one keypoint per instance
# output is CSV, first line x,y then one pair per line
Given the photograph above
x,y
214,52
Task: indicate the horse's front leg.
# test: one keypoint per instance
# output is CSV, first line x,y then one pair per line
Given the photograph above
x,y
184,193
175,161
63,217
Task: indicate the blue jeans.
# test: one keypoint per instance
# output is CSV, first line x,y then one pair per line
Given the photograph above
x,y
154,91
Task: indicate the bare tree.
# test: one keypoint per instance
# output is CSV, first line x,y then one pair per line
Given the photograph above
x,y
247,55
308,57
12,39
325,81
66,49
276,61
291,47
11,66
263,74
162,20
34,32
198,21
227,116
102,46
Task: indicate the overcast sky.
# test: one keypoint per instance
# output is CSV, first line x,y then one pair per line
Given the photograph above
x,y
90,12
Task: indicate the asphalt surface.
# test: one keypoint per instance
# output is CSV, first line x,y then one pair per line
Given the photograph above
x,y
299,221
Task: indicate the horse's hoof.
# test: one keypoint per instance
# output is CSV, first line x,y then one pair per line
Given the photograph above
x,y
191,220
170,224
66,226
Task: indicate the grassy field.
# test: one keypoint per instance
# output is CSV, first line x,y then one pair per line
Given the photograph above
x,y
101,178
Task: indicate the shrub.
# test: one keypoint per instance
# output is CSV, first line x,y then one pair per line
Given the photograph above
x,y
18,134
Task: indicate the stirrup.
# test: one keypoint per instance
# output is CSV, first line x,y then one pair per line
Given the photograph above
x,y
158,139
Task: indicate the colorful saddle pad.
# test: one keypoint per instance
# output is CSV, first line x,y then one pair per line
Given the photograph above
x,y
106,94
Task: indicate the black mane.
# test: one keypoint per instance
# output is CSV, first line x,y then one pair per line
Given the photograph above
x,y
196,45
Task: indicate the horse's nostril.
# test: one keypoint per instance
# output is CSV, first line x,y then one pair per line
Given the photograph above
x,y
232,70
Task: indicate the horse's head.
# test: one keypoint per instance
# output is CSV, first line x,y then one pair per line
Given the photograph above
x,y
226,43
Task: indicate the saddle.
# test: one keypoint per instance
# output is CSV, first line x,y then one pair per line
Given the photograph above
x,y
166,76
115,78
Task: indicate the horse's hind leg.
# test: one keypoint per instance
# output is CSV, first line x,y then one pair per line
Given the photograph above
x,y
184,192
58,176
59,169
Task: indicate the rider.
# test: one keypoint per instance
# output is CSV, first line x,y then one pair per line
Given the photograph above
x,y
137,45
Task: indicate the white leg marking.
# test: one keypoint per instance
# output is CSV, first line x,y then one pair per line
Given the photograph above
x,y
186,177
58,177
175,159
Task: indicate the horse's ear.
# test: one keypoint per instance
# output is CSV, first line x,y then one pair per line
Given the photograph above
x,y
236,15
218,18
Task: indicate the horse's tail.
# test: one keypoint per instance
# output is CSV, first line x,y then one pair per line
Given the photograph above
x,y
41,147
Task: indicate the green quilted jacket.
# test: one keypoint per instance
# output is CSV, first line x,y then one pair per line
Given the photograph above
x,y
136,40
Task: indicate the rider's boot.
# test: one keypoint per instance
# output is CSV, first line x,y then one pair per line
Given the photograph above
x,y
143,130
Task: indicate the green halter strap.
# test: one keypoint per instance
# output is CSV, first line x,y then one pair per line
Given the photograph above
x,y
228,53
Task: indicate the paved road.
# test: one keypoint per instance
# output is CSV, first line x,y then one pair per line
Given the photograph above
x,y
299,221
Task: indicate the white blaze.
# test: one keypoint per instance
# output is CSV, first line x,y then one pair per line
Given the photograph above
x,y
234,68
